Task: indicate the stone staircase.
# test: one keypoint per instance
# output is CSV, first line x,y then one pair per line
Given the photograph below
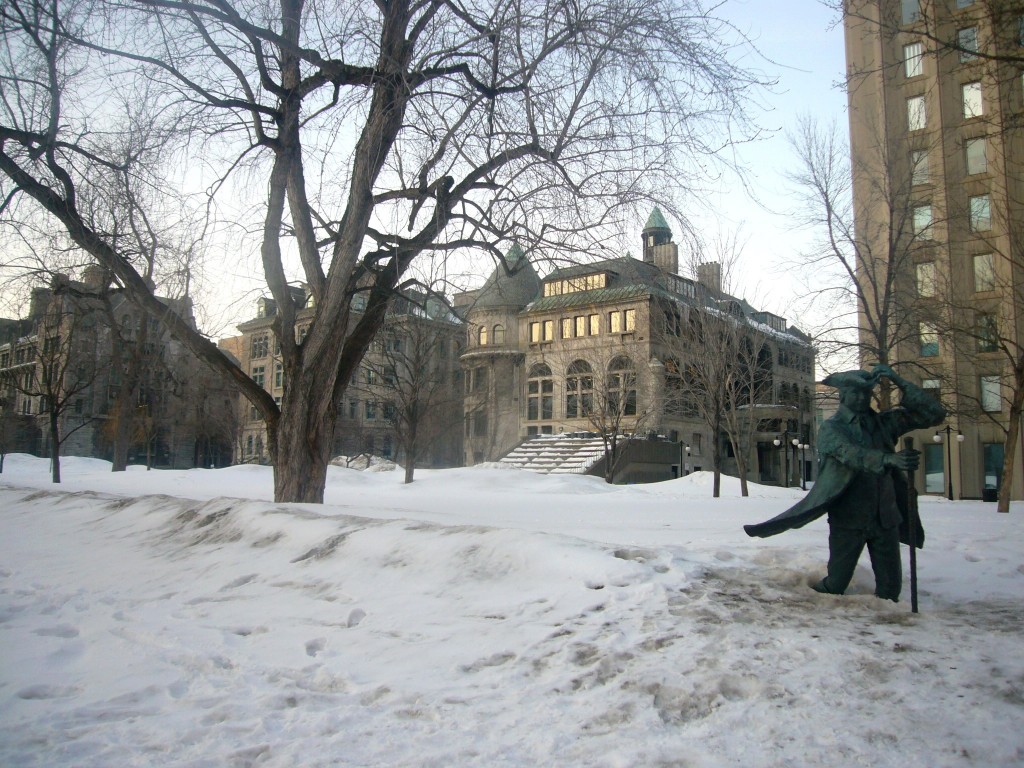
x,y
557,454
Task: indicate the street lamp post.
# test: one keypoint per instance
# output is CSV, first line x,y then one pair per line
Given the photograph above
x,y
803,462
949,454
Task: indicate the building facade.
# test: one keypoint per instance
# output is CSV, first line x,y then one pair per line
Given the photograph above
x,y
407,385
936,96
605,347
73,358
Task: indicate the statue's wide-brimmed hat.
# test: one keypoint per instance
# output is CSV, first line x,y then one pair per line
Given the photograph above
x,y
851,380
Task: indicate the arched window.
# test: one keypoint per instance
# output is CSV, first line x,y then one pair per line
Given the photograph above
x,y
499,334
621,387
540,392
579,390
482,336
784,393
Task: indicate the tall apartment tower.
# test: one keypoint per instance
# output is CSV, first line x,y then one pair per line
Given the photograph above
x,y
936,97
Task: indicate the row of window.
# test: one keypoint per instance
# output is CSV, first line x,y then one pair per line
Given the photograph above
x,y
372,410
972,105
576,284
986,335
975,153
979,216
619,392
618,321
983,271
989,392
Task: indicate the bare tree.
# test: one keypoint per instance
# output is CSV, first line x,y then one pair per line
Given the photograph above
x,y
415,368
53,374
863,270
378,132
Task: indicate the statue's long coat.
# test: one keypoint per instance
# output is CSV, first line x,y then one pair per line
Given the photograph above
x,y
849,460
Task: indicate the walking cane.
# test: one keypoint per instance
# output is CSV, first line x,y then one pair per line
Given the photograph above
x,y
908,444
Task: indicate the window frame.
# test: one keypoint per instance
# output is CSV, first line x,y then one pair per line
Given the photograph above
x,y
990,396
913,60
971,151
972,100
917,113
963,40
980,212
983,268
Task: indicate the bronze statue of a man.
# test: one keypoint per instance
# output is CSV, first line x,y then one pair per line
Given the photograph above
x,y
861,483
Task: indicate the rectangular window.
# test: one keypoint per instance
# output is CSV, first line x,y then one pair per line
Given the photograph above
x,y
981,213
594,322
566,327
986,333
919,173
929,339
917,117
926,279
976,154
615,322
278,375
967,42
353,409
994,458
972,102
984,273
923,221
259,374
534,333
988,388
581,325
964,3
549,330
371,410
932,387
934,474
910,11
913,60
629,318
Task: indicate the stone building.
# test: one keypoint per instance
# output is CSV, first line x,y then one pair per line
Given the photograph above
x,y
936,106
411,367
585,349
72,356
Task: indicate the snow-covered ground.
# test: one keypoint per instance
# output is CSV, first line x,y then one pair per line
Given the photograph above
x,y
485,617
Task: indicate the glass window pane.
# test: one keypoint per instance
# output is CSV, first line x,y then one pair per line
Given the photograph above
x,y
973,105
984,273
922,220
929,339
916,117
934,474
911,10
981,213
989,390
977,155
919,167
926,279
967,40
994,457
913,60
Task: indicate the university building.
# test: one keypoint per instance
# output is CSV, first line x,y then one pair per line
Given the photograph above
x,y
409,379
72,358
936,97
605,346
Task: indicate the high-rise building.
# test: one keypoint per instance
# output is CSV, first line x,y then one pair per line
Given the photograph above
x,y
936,97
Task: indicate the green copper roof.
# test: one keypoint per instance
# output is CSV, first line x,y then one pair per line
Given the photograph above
x,y
656,220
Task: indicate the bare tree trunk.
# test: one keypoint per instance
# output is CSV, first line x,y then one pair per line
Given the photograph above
x,y
54,446
1012,434
741,468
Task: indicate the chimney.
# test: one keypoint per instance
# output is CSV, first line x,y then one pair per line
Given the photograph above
x,y
95,277
710,276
